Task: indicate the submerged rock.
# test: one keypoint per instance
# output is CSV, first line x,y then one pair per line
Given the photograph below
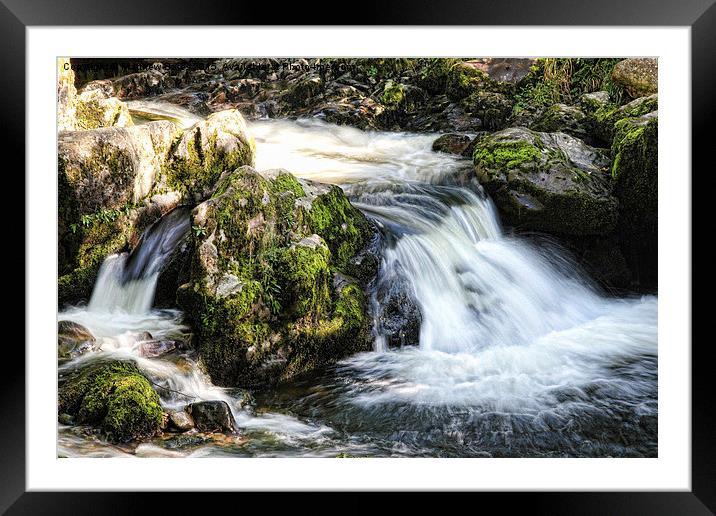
x,y
113,397
638,76
547,181
212,416
261,288
73,340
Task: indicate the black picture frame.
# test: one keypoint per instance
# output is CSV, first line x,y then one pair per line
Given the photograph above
x,y
699,15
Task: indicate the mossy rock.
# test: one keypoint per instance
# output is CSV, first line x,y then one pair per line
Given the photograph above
x,y
635,172
114,397
261,291
95,110
218,144
463,79
606,117
548,182
493,109
562,118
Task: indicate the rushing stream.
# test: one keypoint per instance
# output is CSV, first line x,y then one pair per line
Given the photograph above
x,y
518,354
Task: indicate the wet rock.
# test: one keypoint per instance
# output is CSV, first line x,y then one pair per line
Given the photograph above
x,y
212,416
490,108
73,340
180,421
547,181
606,117
638,76
399,316
65,419
140,84
157,348
96,109
505,70
452,143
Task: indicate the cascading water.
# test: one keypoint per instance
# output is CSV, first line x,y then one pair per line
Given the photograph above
x,y
517,354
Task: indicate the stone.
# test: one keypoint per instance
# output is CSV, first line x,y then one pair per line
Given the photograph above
x,y
638,76
547,182
452,143
66,96
73,340
212,416
260,289
113,397
635,172
156,348
218,144
180,421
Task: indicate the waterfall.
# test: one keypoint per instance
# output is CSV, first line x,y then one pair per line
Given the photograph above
x,y
127,282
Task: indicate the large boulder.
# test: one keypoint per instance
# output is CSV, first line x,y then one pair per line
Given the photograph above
x,y
635,172
217,144
103,174
548,182
271,290
638,76
113,397
110,167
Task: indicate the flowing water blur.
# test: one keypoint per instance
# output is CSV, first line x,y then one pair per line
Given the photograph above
x,y
518,353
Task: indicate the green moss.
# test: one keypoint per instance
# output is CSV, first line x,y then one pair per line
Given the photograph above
x,y
305,273
286,182
319,343
393,94
114,397
507,155
343,227
100,238
205,163
462,80
606,117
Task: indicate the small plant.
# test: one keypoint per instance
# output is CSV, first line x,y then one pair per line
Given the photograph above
x,y
372,72
198,230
